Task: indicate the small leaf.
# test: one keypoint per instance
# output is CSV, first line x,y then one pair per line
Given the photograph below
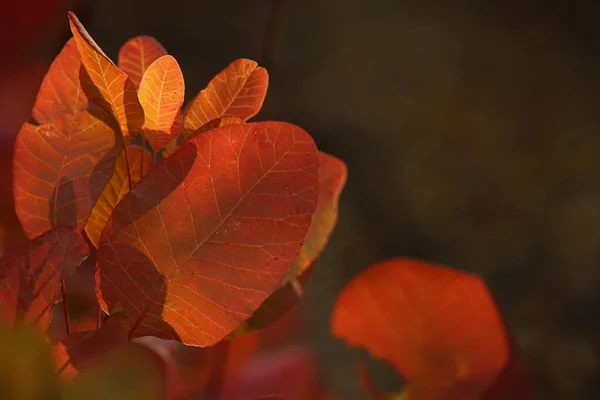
x,y
79,350
161,96
60,92
437,327
60,169
137,54
208,234
116,189
105,84
237,91
30,275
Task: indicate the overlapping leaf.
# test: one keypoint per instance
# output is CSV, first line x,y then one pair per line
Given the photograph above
x,y
60,92
60,169
30,275
79,350
208,234
117,188
161,96
105,84
437,327
237,91
332,178
137,54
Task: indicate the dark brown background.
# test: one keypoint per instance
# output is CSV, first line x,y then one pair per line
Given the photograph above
x,y
471,134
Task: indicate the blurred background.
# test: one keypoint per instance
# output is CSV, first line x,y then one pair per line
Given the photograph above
x,y
471,131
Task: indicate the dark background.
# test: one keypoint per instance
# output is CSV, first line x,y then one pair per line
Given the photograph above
x,y
470,130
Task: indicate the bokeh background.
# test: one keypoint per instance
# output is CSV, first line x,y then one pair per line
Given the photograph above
x,y
471,131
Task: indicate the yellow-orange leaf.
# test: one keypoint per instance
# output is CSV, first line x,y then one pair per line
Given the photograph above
x,y
161,96
117,188
60,91
237,91
137,54
105,84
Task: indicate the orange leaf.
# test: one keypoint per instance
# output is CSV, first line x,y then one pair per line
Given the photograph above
x,y
137,54
161,96
107,85
438,328
80,349
60,169
30,275
60,92
208,234
117,188
237,91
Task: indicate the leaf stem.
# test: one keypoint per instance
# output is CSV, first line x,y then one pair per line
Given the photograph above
x,y
269,42
99,317
63,293
128,168
143,150
214,386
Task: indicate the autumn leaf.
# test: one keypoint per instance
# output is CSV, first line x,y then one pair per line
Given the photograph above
x,y
208,234
332,178
60,169
60,92
117,188
30,275
79,350
437,327
161,96
137,54
237,91
105,84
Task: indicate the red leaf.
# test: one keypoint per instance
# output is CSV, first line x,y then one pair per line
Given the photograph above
x,y
79,350
437,327
208,234
60,92
117,188
137,54
60,169
107,85
237,91
161,96
30,275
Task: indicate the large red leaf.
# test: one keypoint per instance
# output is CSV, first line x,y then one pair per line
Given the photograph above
x,y
79,350
137,54
117,188
61,92
161,96
237,91
438,328
60,169
105,84
208,234
30,275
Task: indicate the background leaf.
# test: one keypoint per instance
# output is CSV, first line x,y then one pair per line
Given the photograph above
x,y
117,188
209,233
60,92
60,169
30,275
161,96
437,327
105,84
237,91
137,54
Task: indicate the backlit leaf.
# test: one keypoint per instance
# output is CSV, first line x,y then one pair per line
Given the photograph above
x,y
437,327
161,96
105,84
79,350
117,188
60,169
60,92
237,91
30,275
137,54
208,234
